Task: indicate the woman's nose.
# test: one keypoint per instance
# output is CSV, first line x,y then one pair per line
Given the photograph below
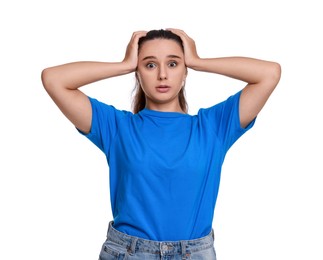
x,y
162,73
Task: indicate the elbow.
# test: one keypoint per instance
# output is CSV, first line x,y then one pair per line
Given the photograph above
x,y
45,78
275,73
48,79
272,76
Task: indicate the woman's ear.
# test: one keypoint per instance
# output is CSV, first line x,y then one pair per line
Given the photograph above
x,y
137,76
184,78
138,79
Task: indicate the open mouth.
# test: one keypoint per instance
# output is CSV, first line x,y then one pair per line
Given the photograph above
x,y
162,88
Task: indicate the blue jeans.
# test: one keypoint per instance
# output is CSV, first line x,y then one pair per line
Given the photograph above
x,y
122,246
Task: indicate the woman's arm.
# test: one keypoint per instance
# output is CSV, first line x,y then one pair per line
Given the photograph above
x,y
63,82
261,76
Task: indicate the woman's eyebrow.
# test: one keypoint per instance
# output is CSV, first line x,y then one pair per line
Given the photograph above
x,y
174,56
150,58
155,58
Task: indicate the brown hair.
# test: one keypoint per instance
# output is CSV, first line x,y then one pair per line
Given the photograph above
x,y
139,98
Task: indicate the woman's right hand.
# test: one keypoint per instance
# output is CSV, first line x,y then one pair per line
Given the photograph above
x,y
63,82
131,56
190,52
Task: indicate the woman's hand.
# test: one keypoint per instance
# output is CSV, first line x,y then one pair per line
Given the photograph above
x,y
190,53
131,56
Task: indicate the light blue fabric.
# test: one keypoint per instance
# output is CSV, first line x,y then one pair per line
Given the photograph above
x,y
121,246
165,166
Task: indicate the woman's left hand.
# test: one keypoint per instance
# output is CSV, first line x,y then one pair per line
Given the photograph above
x,y
190,53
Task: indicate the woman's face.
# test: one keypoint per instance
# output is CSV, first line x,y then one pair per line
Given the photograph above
x,y
161,73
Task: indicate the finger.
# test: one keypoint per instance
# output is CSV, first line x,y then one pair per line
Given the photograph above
x,y
174,29
185,38
177,31
139,34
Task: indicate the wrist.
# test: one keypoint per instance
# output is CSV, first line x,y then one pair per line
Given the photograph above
x,y
126,67
195,64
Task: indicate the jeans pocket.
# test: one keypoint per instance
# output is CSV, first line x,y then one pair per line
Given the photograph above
x,y
111,251
208,253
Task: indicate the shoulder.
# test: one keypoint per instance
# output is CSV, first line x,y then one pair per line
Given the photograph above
x,y
232,102
104,108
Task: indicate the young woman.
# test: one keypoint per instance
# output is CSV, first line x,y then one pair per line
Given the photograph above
x,y
164,163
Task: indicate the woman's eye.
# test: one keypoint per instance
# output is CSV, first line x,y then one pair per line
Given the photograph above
x,y
151,65
172,64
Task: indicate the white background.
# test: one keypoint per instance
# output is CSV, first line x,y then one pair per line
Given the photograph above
x,y
54,193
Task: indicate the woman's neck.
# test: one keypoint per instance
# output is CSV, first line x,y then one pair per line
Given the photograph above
x,y
173,107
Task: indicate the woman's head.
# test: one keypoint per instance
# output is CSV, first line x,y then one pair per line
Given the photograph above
x,y
161,72
160,34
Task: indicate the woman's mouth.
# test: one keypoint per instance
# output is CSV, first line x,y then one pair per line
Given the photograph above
x,y
163,88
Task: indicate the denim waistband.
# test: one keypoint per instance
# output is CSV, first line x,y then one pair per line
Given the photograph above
x,y
134,244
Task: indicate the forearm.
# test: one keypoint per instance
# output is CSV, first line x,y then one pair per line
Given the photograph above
x,y
246,69
77,74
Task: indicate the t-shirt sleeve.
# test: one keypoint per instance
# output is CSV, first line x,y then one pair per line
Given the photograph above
x,y
104,124
224,119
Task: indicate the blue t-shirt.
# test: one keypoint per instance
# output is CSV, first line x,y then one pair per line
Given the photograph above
x,y
165,166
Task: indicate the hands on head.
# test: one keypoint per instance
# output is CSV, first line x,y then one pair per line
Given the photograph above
x,y
131,55
190,52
